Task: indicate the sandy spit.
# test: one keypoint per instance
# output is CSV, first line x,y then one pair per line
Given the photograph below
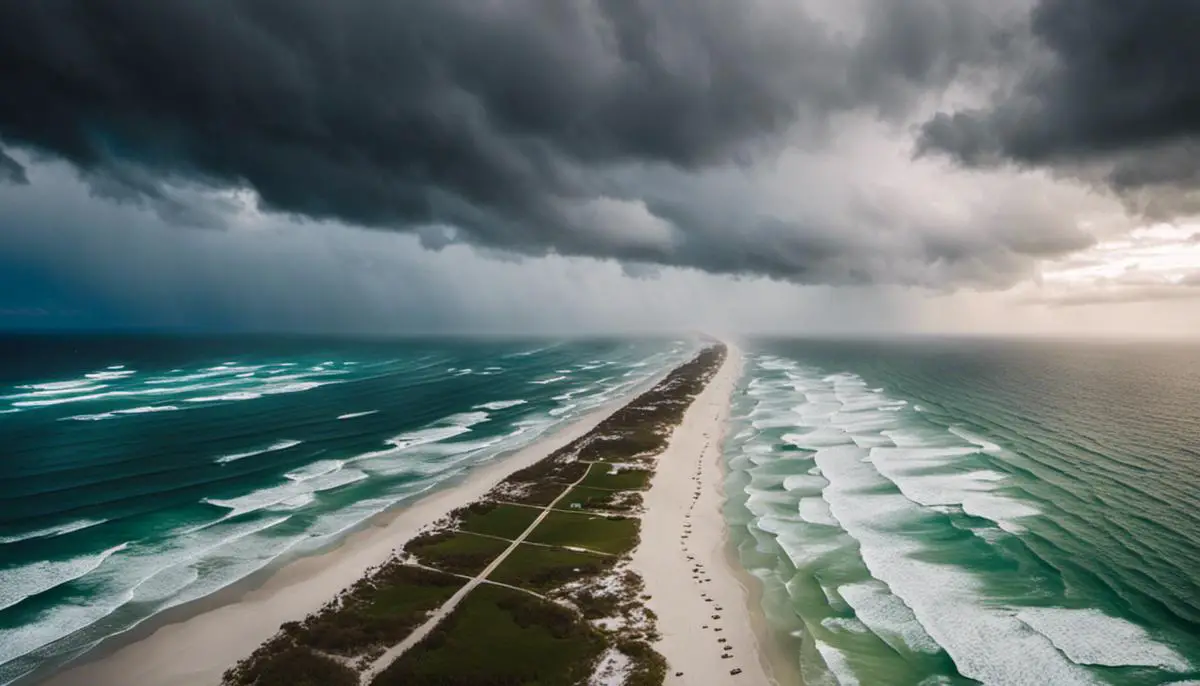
x,y
684,555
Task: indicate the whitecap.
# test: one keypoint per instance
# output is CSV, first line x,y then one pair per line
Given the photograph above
x,y
110,375
1090,637
47,402
278,445
148,409
40,390
500,404
314,469
443,429
837,663
987,643
818,438
224,397
89,417
887,617
25,581
553,379
815,510
57,385
52,531
804,483
844,624
984,444
115,414
353,415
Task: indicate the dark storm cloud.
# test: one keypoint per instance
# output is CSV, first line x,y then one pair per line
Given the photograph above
x,y
497,123
1114,95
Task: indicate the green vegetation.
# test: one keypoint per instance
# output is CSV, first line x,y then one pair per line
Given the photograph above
x,y
456,552
542,482
505,521
541,569
498,636
613,535
600,499
280,663
648,668
378,611
601,476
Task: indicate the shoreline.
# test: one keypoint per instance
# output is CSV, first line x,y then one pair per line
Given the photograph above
x,y
684,520
193,644
782,669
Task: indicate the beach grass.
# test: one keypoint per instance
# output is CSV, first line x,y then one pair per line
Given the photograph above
x,y
292,665
500,636
539,568
492,519
602,476
613,535
456,552
377,612
542,482
380,609
601,499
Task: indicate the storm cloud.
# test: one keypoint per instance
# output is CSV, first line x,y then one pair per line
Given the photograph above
x,y
594,129
1112,95
11,171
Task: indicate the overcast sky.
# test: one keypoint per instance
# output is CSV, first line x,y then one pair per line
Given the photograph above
x,y
1024,167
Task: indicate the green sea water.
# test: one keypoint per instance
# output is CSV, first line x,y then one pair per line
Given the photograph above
x,y
955,512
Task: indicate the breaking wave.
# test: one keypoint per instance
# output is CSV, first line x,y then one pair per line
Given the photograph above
x,y
898,542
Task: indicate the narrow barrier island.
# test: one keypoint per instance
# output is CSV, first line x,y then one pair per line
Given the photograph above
x,y
530,584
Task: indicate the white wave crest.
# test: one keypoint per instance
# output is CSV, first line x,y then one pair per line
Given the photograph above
x,y
274,447
52,531
553,379
501,404
1090,637
26,581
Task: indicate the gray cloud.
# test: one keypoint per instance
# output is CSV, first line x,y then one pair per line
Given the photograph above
x,y
12,171
1113,97
517,125
85,262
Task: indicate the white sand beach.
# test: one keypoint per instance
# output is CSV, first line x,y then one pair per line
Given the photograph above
x,y
695,590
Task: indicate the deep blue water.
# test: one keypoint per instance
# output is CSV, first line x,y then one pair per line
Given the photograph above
x,y
141,472
946,512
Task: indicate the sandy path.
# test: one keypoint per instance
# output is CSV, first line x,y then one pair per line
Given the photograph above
x,y
683,558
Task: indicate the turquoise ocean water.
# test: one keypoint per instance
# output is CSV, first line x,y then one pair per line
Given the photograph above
x,y
943,512
142,472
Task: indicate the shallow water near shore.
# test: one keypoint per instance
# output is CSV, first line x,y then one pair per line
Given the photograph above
x,y
949,512
144,472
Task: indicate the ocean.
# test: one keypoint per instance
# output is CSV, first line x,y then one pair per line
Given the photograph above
x,y
953,512
141,472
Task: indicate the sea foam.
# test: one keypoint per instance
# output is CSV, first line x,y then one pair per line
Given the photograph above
x,y
274,447
52,531
25,581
